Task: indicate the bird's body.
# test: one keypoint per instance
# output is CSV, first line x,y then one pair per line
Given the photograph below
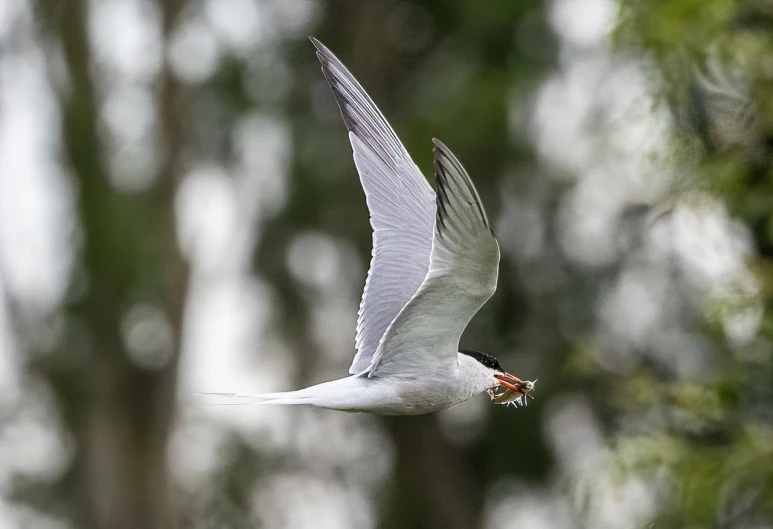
x,y
390,396
435,263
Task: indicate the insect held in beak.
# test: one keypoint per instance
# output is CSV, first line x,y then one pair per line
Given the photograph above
x,y
516,392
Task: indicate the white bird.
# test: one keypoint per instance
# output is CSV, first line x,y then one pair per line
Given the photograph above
x,y
435,263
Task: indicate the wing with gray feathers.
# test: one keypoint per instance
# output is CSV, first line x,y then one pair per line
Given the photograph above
x,y
401,204
462,276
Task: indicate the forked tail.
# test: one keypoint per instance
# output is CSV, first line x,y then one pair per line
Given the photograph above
x,y
281,398
350,393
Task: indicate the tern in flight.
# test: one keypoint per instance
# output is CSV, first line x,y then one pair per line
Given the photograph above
x,y
435,263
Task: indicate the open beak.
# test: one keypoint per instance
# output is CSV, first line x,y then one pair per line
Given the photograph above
x,y
506,380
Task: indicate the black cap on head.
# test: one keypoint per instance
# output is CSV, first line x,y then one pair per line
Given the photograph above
x,y
487,360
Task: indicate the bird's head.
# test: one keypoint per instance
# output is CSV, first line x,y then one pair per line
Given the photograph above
x,y
502,387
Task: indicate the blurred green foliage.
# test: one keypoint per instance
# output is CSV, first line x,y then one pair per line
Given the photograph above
x,y
712,66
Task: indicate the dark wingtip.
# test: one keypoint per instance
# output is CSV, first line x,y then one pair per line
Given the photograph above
x,y
444,161
439,150
323,53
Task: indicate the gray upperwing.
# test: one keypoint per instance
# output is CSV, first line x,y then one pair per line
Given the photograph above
x,y
464,267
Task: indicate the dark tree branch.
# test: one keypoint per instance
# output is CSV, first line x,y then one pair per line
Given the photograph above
x,y
119,413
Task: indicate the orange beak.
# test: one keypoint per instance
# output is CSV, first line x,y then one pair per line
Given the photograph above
x,y
510,381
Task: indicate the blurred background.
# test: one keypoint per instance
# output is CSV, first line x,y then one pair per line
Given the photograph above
x,y
179,212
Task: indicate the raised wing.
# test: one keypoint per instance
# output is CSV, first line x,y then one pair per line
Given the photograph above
x,y
401,204
462,276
